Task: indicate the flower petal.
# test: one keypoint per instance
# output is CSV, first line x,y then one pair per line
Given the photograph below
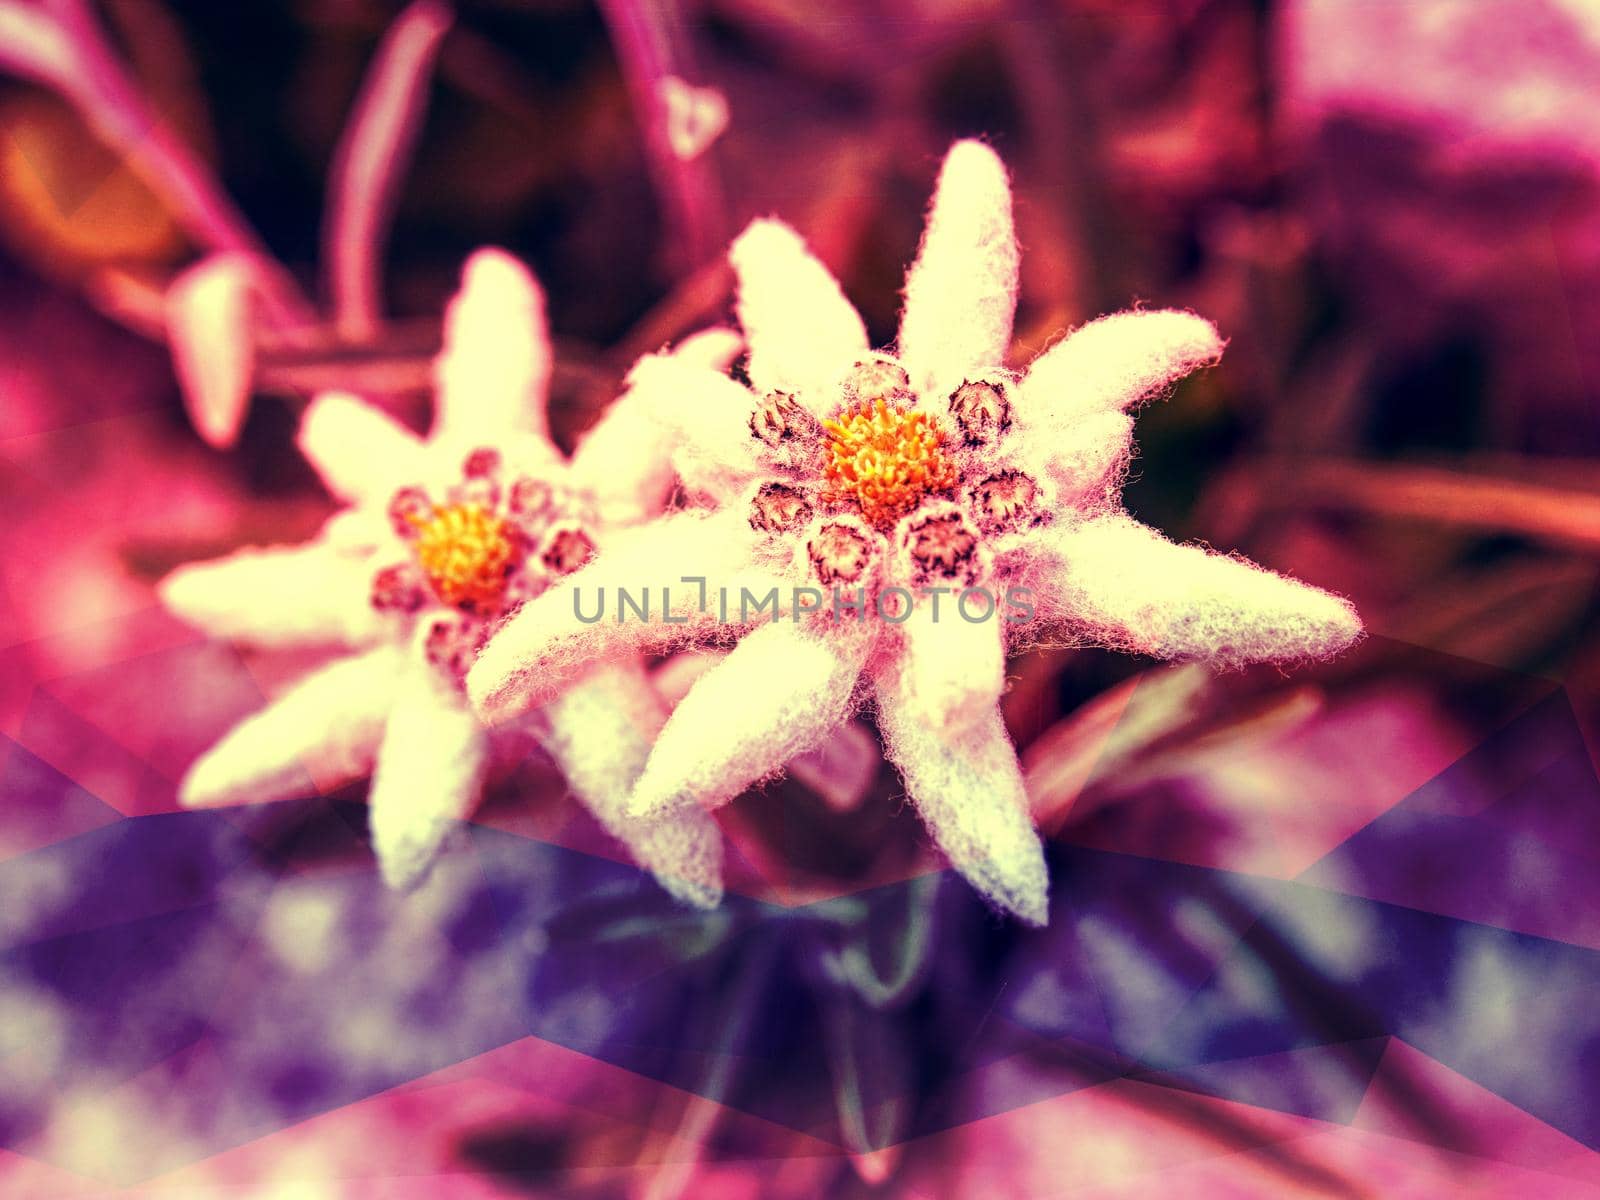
x,y
952,669
208,316
1129,587
672,678
545,645
703,418
322,732
1116,362
715,348
493,376
428,774
624,462
600,732
839,770
279,597
780,691
801,330
360,451
961,294
1086,459
968,788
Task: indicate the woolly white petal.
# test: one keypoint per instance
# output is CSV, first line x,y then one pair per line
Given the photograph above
x,y
357,531
1086,459
600,732
428,774
361,452
716,456
715,348
623,462
1131,588
544,646
323,731
968,788
961,294
493,376
705,418
839,770
622,466
779,692
1117,361
801,330
953,670
279,597
672,678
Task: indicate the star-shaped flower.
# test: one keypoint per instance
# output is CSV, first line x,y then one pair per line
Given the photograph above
x,y
971,509
441,539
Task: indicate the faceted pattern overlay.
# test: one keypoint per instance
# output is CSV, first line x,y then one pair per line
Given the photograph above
x,y
210,1000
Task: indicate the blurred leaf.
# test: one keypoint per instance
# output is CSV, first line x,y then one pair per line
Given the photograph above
x,y
1564,517
1107,731
210,325
1506,614
66,201
33,45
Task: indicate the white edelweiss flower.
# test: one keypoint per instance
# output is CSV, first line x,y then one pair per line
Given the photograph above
x,y
950,495
441,539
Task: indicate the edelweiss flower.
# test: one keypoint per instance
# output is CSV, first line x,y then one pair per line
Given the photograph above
x,y
946,497
442,539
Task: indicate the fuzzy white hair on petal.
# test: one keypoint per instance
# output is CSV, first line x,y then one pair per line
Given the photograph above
x,y
322,732
279,597
361,453
621,461
779,692
672,678
801,330
968,789
1129,587
600,732
952,669
428,774
493,376
1087,459
687,417
961,294
551,640
1117,361
620,464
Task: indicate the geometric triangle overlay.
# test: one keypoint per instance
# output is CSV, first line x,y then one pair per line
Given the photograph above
x,y
177,988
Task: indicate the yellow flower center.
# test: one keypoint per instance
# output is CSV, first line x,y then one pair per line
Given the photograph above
x,y
468,554
885,460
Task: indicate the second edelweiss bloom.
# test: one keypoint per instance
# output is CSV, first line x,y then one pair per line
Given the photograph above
x,y
442,539
956,508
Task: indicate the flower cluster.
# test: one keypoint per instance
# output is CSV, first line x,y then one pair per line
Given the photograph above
x,y
914,487
908,478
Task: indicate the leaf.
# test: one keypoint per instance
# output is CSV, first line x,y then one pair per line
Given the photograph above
x,y
36,47
210,328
